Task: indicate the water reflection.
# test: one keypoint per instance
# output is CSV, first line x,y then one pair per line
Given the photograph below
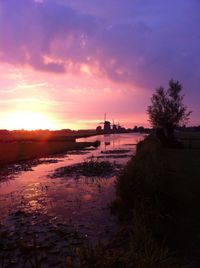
x,y
78,200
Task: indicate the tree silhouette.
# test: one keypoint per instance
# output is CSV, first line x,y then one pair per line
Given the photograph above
x,y
167,110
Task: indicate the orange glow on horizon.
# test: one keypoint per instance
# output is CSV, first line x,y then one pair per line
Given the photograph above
x,y
39,100
29,120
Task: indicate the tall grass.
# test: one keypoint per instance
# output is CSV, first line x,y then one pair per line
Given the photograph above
x,y
158,198
146,211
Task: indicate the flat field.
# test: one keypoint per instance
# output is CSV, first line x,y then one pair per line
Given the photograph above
x,y
13,152
189,139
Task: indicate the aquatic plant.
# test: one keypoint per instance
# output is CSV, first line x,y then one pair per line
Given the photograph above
x,y
89,168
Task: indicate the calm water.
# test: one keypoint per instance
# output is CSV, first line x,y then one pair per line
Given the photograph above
x,y
79,201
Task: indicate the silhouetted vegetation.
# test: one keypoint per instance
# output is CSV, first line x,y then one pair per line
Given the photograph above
x,y
14,152
43,135
158,199
167,111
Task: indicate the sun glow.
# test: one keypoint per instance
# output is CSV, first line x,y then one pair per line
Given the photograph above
x,y
29,121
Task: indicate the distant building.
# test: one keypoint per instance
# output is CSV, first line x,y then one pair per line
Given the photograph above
x,y
99,129
114,128
107,127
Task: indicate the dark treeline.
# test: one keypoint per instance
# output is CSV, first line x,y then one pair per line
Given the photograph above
x,y
43,135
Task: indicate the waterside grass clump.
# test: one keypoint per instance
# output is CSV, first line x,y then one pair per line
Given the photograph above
x,y
89,168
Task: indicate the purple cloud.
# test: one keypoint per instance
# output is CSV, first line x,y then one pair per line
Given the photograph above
x,y
136,42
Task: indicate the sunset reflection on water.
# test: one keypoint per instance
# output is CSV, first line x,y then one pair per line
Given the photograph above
x,y
78,200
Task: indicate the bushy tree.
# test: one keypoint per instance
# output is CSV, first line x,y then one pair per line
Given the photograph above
x,y
167,109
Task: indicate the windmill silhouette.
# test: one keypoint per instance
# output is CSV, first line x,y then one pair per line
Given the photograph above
x,y
106,125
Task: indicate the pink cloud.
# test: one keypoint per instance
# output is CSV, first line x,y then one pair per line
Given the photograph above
x,y
94,61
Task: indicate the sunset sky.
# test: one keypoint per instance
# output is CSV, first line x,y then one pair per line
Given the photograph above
x,y
64,63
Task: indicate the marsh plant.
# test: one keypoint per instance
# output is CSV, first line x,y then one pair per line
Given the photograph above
x,y
92,167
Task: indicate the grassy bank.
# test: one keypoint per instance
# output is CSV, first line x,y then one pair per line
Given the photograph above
x,y
189,140
43,135
159,192
13,152
158,202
